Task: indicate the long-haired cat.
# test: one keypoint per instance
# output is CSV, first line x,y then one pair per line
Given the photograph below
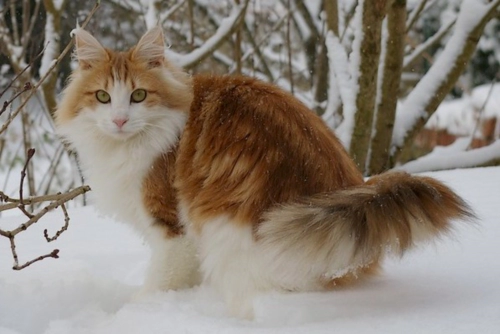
x,y
236,174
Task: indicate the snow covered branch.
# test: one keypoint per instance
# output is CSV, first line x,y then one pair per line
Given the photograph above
x,y
52,37
441,77
226,28
455,156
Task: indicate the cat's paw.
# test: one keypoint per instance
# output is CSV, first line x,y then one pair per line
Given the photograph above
x,y
142,294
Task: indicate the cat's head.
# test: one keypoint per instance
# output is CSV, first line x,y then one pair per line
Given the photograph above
x,y
122,94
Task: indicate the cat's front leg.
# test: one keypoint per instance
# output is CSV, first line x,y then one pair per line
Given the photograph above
x,y
173,264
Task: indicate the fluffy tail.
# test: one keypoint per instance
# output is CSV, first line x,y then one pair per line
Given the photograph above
x,y
330,235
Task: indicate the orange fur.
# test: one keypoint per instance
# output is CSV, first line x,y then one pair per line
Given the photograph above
x,y
249,145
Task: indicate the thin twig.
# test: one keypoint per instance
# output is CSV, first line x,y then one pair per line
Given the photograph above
x,y
62,199
27,86
21,73
54,254
27,34
22,205
480,114
12,203
60,231
289,48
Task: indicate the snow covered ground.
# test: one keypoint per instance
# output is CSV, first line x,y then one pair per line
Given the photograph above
x,y
450,287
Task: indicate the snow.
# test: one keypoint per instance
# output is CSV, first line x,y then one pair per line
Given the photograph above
x,y
333,101
458,116
151,16
455,116
413,108
451,287
51,51
347,71
58,4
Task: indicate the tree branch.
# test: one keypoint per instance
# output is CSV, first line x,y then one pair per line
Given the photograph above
x,y
373,15
442,76
49,71
226,29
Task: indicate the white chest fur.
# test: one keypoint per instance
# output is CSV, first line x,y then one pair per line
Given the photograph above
x,y
116,176
115,170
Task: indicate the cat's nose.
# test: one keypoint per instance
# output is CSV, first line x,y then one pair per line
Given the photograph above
x,y
120,122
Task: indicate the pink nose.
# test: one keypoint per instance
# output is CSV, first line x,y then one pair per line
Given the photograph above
x,y
120,122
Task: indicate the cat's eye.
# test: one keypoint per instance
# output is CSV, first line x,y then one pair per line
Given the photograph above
x,y
138,95
102,96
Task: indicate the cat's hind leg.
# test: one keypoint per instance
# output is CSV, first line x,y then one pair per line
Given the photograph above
x,y
230,264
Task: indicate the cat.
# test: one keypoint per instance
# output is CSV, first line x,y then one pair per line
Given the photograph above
x,y
233,181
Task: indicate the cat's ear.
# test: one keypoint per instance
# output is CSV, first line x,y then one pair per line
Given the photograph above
x,y
151,48
88,49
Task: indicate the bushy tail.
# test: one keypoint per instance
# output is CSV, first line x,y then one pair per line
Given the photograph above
x,y
329,234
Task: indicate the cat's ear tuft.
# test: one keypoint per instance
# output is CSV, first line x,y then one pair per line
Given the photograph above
x,y
88,50
151,48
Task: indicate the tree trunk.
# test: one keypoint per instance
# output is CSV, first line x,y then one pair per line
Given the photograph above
x,y
321,93
391,79
373,15
50,84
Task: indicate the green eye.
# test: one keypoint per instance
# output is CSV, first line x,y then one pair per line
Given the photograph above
x,y
138,95
102,96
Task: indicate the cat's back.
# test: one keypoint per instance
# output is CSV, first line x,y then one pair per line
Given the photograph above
x,y
248,145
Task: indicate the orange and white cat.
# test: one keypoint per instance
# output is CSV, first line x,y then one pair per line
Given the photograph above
x,y
236,174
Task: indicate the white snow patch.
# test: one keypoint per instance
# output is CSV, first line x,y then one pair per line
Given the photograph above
x,y
459,116
51,49
449,288
348,74
453,156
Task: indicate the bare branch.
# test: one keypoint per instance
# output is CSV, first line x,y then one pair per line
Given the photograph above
x,y
62,199
433,40
27,34
22,205
27,86
60,231
166,15
54,254
415,15
289,48
480,114
49,71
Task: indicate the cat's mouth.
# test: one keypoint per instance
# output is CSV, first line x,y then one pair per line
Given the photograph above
x,y
122,134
